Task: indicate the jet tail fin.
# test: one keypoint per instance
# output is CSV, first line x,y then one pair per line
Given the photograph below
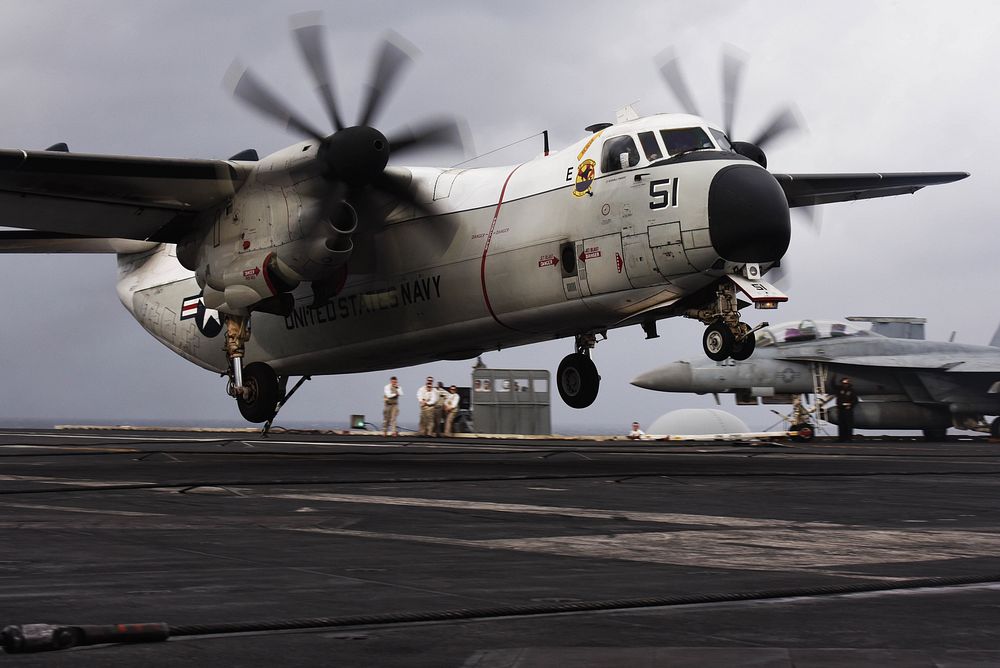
x,y
995,341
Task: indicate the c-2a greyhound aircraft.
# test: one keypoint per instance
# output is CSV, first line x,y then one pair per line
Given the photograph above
x,y
344,264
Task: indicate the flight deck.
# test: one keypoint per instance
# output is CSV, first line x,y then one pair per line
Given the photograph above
x,y
324,549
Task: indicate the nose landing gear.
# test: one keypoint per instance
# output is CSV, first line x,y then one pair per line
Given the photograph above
x,y
726,336
577,379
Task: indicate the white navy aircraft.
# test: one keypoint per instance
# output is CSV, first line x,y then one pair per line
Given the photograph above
x,y
343,262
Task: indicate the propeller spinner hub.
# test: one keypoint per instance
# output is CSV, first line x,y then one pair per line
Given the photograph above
x,y
748,215
356,154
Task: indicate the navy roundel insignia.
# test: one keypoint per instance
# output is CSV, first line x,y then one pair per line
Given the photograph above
x,y
207,320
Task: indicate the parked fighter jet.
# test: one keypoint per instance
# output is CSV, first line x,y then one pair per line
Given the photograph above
x,y
903,382
346,263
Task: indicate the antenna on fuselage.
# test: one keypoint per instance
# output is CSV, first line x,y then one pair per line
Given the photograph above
x,y
627,113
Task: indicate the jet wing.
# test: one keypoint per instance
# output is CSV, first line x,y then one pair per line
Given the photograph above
x,y
920,361
140,198
811,189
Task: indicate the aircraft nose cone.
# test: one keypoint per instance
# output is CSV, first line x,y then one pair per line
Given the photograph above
x,y
748,215
674,377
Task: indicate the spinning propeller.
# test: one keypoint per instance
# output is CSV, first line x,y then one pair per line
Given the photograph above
x,y
783,121
352,158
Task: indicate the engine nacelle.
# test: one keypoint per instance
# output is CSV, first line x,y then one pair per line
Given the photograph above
x,y
897,415
278,246
324,247
247,281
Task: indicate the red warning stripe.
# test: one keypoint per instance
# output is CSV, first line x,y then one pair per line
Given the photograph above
x,y
486,249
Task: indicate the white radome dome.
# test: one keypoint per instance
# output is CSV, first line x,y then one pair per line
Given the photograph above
x,y
697,421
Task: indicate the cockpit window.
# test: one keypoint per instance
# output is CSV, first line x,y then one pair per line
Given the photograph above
x,y
614,149
806,330
650,146
683,140
721,139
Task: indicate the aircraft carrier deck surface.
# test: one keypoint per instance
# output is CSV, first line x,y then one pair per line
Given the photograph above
x,y
308,549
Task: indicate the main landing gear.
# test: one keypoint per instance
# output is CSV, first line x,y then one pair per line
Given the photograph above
x,y
258,390
577,379
726,336
256,387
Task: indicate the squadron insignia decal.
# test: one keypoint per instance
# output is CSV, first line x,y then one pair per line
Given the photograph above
x,y
585,174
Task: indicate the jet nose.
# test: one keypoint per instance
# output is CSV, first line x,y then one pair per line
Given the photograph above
x,y
674,377
748,215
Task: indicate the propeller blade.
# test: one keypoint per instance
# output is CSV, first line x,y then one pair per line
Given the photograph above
x,y
812,218
250,90
669,64
439,233
308,33
399,188
732,75
396,53
784,121
430,134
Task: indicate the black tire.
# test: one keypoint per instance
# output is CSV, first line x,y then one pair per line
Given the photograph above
x,y
717,341
262,396
936,434
806,432
577,380
743,348
995,428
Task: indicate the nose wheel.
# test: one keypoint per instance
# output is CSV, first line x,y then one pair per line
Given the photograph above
x,y
718,341
721,342
744,342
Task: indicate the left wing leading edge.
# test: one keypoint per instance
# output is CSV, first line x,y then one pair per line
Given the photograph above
x,y
812,189
123,197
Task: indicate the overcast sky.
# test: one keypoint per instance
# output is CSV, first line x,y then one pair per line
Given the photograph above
x,y
882,86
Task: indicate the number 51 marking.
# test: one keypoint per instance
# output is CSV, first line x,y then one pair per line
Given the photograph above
x,y
662,193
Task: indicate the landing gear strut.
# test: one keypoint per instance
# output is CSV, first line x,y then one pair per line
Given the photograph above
x,y
577,379
726,336
255,387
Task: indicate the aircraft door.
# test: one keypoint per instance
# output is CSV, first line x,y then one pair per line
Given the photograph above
x,y
570,268
601,259
667,249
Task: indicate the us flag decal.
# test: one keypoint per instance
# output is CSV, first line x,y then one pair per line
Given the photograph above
x,y
189,307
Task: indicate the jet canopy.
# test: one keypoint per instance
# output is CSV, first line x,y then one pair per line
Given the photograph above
x,y
807,330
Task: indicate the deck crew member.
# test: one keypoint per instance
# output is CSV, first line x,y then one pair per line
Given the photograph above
x,y
390,411
636,432
846,400
427,397
451,401
439,409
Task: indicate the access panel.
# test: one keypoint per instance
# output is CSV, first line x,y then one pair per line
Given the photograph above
x,y
605,266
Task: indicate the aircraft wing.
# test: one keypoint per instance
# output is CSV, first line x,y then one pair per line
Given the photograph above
x,y
811,189
918,361
153,199
29,241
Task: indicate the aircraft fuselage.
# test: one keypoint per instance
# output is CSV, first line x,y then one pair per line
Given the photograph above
x,y
513,255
